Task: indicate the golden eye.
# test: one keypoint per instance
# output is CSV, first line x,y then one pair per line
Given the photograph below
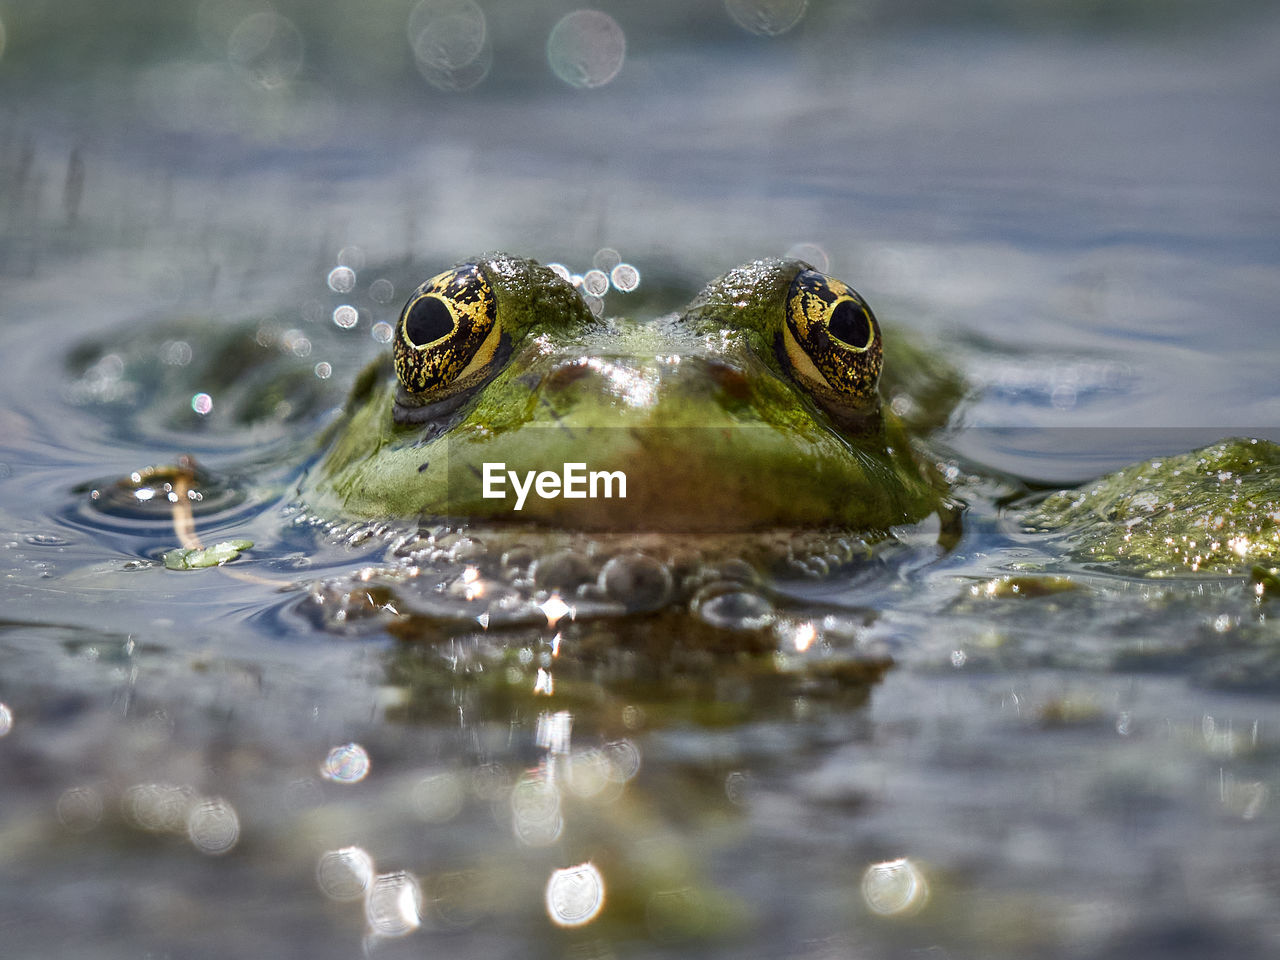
x,y
448,333
832,340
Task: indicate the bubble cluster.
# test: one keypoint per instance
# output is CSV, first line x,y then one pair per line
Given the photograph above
x,y
348,763
586,48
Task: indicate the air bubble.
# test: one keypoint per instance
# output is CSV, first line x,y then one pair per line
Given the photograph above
x,y
560,270
323,370
586,48
202,403
595,282
346,316
382,331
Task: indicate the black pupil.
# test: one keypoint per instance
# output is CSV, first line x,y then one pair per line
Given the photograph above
x,y
428,320
849,323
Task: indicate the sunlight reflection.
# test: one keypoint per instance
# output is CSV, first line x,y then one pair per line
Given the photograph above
x,y
344,874
554,731
575,895
894,888
554,608
348,763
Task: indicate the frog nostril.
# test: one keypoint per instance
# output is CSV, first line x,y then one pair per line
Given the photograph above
x,y
428,320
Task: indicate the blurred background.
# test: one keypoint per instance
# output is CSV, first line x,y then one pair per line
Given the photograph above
x,y
1078,199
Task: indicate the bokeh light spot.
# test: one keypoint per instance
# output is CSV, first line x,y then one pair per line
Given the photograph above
x,y
213,826
624,277
438,797
382,331
382,290
394,905
202,403
595,282
267,48
575,895
346,316
344,874
342,279
586,48
766,18
348,763
80,808
811,254
323,370
894,888
450,42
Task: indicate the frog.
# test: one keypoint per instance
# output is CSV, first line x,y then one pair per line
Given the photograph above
x,y
634,464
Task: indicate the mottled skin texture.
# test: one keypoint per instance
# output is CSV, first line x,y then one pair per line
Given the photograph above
x,y
1212,511
701,410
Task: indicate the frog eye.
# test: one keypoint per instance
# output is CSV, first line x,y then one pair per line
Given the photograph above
x,y
832,340
448,332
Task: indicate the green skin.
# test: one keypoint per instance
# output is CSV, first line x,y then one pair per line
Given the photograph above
x,y
697,409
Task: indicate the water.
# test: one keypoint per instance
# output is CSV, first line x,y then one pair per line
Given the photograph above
x,y
1081,211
